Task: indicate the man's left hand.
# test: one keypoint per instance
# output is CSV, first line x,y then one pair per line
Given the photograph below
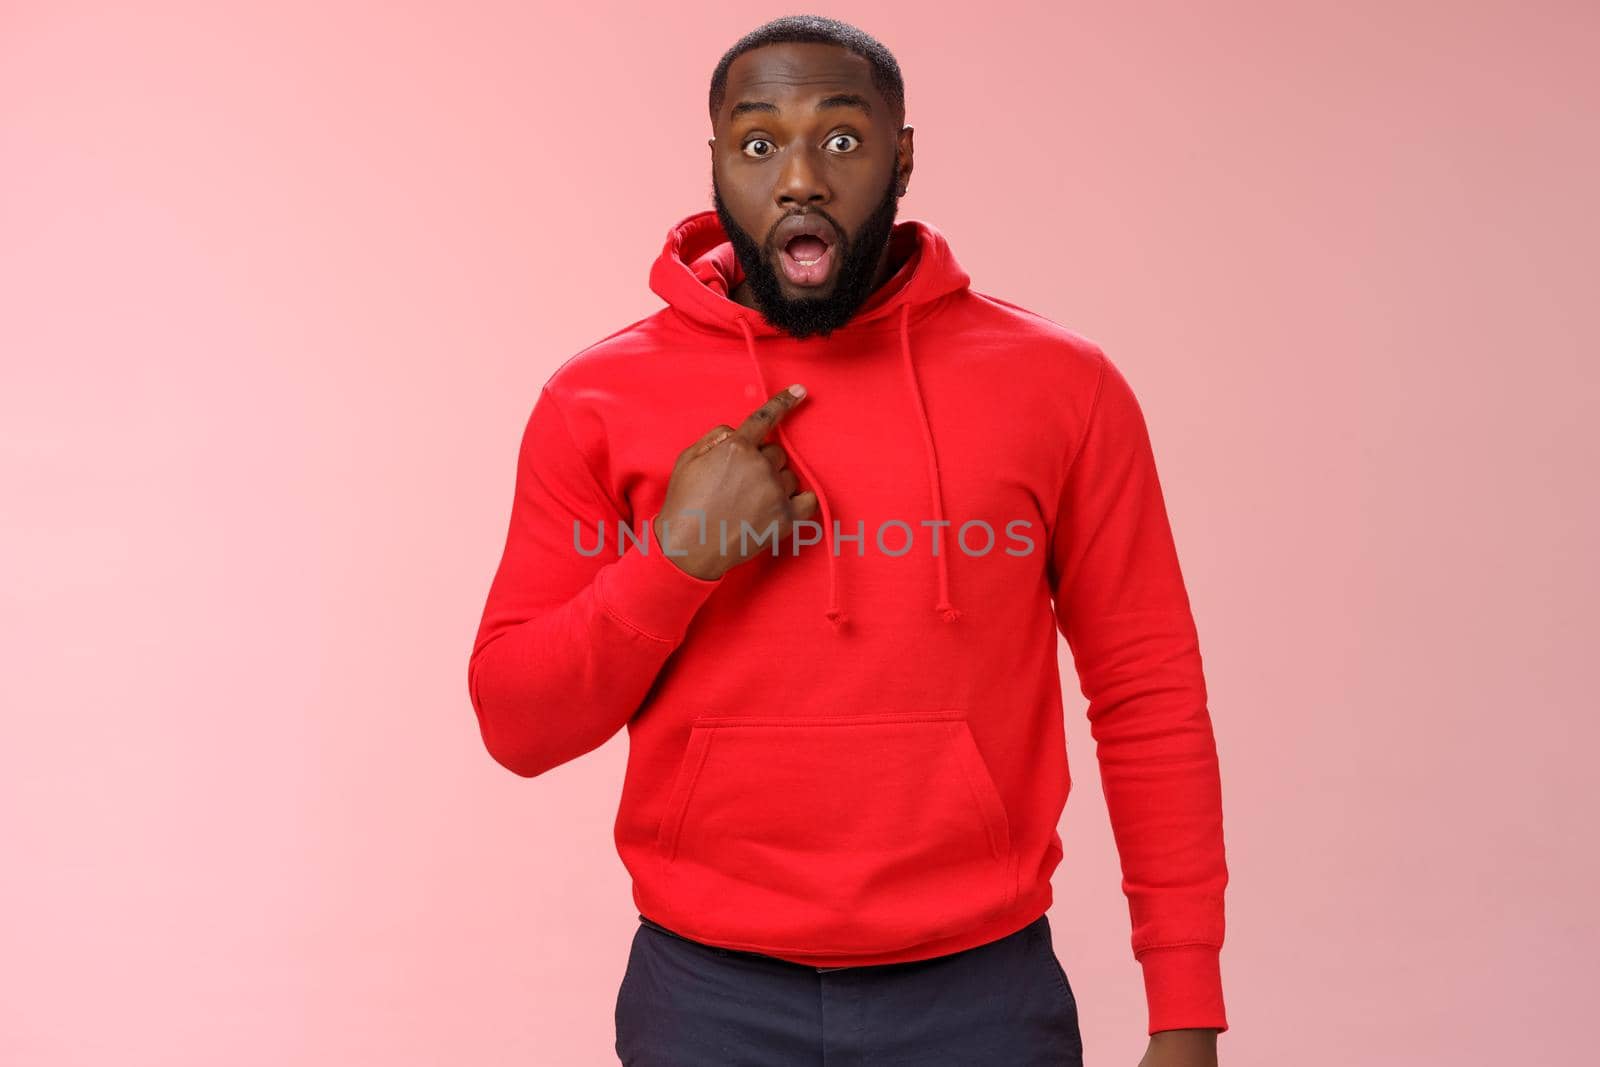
x,y
1181,1048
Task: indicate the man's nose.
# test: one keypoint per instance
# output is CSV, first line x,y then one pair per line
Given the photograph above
x,y
801,180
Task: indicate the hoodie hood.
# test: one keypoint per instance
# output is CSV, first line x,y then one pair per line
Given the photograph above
x,y
698,268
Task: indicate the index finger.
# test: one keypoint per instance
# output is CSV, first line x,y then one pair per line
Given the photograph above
x,y
760,422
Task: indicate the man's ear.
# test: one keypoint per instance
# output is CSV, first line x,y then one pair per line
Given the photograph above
x,y
904,158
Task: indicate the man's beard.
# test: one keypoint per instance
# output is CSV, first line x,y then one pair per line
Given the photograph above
x,y
804,316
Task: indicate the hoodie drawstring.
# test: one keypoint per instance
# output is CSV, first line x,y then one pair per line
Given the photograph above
x,y
947,611
835,614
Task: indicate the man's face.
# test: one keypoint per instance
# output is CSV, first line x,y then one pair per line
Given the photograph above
x,y
820,147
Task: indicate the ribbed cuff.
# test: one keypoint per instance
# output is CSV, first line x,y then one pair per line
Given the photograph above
x,y
646,590
1183,988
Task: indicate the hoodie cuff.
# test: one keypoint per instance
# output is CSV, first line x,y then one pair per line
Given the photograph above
x,y
647,591
1183,988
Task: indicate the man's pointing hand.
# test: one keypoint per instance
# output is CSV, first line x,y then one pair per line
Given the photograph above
x,y
728,477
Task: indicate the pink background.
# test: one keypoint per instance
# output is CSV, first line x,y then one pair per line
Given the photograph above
x,y
278,286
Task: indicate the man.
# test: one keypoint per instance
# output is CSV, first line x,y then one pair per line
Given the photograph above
x,y
835,651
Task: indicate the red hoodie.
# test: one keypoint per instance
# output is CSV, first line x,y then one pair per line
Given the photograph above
x,y
854,753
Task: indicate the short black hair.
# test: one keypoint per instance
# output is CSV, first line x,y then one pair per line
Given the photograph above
x,y
821,30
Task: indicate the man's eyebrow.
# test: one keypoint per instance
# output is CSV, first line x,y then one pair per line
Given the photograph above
x,y
845,100
855,100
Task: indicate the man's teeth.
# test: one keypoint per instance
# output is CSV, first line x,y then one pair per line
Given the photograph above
x,y
808,262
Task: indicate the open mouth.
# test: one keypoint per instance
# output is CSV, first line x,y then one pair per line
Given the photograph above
x,y
807,259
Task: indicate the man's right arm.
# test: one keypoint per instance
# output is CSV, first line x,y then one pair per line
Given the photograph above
x,y
569,644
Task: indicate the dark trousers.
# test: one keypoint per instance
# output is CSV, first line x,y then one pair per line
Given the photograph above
x,y
686,1004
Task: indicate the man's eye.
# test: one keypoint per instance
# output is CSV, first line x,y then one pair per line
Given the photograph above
x,y
845,137
756,141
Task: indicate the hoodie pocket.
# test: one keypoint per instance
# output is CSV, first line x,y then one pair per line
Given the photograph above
x,y
830,835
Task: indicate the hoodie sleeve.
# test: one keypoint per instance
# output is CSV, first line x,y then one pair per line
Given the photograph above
x,y
570,644
1122,606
